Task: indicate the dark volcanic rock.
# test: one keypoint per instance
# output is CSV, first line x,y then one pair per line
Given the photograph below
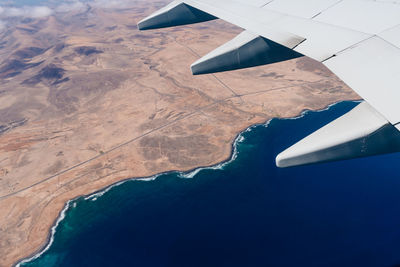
x,y
66,79
111,28
28,30
14,124
87,50
14,67
32,81
59,47
3,44
29,52
50,72
10,74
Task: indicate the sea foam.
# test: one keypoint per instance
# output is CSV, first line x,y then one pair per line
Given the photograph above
x,y
220,166
95,196
305,112
52,233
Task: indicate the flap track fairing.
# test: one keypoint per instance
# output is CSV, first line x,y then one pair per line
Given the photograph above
x,y
359,133
175,14
244,51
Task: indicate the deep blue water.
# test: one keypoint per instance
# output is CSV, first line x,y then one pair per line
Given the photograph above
x,y
248,214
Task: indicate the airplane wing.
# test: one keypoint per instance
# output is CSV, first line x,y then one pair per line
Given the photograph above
x,y
358,40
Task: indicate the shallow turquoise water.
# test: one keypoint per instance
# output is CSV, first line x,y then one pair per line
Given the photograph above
x,y
248,213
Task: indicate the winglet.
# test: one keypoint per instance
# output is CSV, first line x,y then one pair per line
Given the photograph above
x,y
361,132
244,51
174,14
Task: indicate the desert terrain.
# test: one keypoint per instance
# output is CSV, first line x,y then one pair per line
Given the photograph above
x,y
86,100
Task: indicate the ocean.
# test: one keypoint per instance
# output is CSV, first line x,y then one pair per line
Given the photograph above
x,y
245,212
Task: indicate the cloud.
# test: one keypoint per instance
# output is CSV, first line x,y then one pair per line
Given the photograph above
x,y
29,12
110,3
74,5
41,11
71,6
2,25
64,7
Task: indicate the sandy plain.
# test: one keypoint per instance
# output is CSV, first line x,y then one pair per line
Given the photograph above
x,y
86,100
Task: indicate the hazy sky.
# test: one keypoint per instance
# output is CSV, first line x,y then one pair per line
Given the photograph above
x,y
43,8
20,3
23,2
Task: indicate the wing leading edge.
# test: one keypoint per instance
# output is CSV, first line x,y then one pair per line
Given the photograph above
x,y
364,54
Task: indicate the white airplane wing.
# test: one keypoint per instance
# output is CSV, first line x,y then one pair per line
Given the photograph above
x,y
358,40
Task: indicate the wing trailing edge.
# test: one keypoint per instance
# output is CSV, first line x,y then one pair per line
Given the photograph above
x,y
359,133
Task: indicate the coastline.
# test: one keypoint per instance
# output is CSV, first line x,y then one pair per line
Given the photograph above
x,y
102,191
185,174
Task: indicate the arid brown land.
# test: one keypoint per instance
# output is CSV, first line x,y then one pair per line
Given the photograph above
x,y
87,100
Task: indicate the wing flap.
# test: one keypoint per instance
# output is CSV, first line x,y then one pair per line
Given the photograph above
x,y
371,17
315,39
322,40
249,18
303,9
392,36
372,69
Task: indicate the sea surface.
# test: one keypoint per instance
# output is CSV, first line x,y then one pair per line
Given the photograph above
x,y
245,212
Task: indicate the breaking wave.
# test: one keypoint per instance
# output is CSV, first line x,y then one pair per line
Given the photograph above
x,y
52,233
220,166
305,112
95,196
